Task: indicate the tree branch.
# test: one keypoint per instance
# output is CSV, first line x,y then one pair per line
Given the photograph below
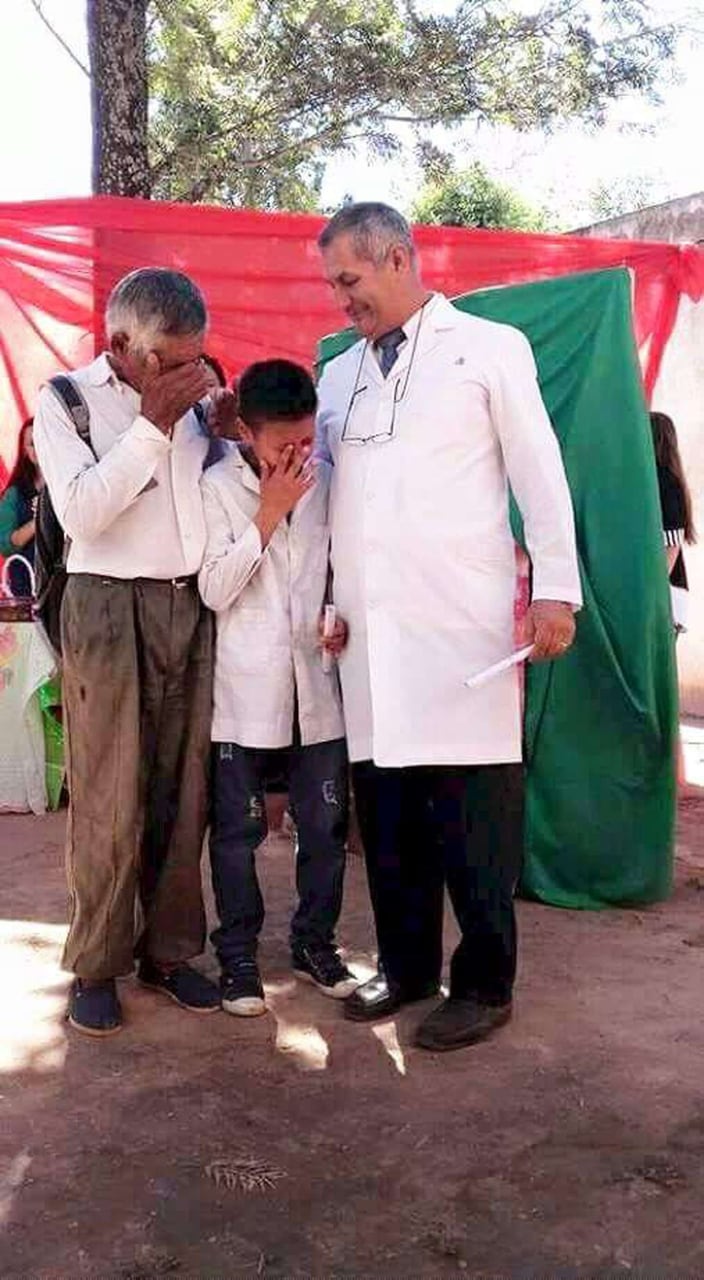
x,y
36,5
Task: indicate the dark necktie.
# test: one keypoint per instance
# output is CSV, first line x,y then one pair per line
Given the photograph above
x,y
387,346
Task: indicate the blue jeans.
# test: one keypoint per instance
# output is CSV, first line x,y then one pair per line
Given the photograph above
x,y
318,791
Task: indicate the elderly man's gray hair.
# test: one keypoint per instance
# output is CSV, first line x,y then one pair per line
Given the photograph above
x,y
374,227
154,302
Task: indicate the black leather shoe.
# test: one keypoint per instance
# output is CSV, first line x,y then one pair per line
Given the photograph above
x,y
456,1023
378,999
94,1008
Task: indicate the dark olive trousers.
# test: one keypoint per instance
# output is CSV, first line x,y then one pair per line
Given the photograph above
x,y
137,689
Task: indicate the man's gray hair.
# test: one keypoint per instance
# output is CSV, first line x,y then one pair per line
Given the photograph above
x,y
375,228
154,302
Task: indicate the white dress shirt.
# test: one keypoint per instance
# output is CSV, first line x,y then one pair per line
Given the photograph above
x,y
422,551
267,603
137,512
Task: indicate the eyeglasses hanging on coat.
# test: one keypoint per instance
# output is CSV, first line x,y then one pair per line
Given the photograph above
x,y
399,393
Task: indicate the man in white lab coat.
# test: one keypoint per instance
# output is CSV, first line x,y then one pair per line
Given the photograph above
x,y
427,420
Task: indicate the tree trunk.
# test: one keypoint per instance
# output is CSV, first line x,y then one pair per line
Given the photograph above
x,y
119,96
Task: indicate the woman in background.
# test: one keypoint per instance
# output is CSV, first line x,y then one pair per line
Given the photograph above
x,y
676,507
214,372
17,511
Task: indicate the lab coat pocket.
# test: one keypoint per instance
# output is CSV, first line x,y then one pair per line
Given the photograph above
x,y
250,640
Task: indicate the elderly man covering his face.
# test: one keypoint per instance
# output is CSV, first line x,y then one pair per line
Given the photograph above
x,y
136,647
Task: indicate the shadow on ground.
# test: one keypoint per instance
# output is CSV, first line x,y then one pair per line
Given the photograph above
x,y
299,1145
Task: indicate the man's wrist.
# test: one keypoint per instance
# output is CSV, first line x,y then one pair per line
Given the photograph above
x,y
267,521
560,604
145,427
160,425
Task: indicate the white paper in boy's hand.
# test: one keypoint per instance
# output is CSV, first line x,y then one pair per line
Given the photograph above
x,y
329,620
473,682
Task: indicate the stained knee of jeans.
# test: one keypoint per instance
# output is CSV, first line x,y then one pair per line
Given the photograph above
x,y
326,815
254,823
246,826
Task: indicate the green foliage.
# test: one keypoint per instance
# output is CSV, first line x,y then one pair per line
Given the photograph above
x,y
471,198
249,98
625,195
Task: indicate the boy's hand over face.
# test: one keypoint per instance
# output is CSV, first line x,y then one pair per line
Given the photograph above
x,y
282,487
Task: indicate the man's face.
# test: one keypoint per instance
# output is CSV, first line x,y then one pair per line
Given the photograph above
x,y
270,439
172,352
370,294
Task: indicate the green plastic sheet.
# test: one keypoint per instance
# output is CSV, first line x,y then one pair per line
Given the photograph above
x,y
55,768
600,724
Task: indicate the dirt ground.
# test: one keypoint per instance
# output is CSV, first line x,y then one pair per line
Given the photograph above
x,y
299,1145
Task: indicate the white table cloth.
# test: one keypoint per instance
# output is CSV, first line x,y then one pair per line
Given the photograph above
x,y
26,663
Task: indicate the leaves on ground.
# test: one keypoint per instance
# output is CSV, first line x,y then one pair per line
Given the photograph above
x,y
242,1173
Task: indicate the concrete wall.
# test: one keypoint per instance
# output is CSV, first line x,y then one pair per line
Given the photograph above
x,y
674,221
680,392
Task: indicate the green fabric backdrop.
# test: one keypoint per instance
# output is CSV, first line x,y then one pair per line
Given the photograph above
x,y
601,723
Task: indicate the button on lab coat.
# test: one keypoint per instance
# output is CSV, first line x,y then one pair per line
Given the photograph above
x,y
422,551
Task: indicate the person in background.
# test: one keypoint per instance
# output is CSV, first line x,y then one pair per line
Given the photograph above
x,y
676,509
18,508
214,373
265,574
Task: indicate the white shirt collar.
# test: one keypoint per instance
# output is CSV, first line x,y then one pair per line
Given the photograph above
x,y
101,373
410,325
427,309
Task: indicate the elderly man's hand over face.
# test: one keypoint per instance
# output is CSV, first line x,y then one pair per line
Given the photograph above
x,y
167,396
550,627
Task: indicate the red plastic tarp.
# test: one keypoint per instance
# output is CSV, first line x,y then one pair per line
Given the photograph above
x,y
261,277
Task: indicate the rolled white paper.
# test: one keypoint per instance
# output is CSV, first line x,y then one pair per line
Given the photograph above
x,y
329,620
473,682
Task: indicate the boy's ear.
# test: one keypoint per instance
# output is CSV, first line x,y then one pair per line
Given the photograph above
x,y
243,432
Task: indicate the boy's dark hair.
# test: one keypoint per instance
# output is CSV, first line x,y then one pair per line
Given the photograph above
x,y
275,391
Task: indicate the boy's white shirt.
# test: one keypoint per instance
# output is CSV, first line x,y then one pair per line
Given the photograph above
x,y
267,605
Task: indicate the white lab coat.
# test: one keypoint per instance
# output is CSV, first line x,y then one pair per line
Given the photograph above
x,y
422,552
267,604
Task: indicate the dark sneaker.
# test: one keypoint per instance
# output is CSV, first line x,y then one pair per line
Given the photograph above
x,y
241,990
94,1008
456,1023
323,967
183,984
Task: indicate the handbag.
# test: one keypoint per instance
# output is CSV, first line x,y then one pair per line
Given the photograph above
x,y
16,608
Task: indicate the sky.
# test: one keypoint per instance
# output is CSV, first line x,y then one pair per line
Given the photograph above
x,y
45,107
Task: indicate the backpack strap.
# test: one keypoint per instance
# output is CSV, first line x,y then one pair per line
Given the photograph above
x,y
73,400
